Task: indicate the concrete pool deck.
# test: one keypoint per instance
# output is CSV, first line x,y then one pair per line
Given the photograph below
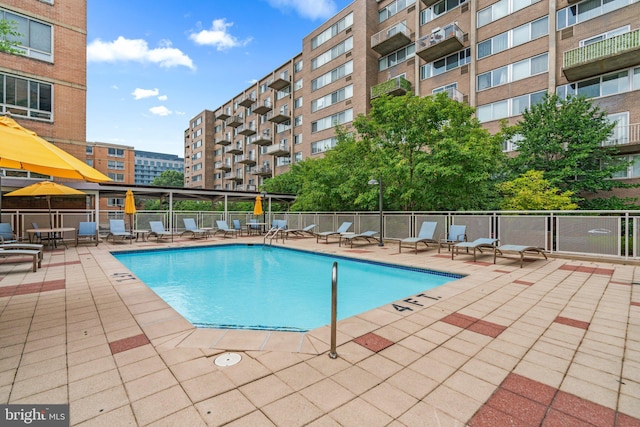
x,y
556,342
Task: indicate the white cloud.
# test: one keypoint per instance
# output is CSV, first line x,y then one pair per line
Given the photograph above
x,y
144,93
123,49
218,36
311,9
160,111
163,97
252,81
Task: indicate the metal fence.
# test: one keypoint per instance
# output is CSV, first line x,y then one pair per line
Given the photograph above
x,y
614,234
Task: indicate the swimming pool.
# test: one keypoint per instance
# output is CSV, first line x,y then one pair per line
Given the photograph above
x,y
261,287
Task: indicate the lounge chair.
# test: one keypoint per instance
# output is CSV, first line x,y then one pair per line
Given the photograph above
x,y
158,231
301,232
191,227
457,234
476,245
6,233
507,251
118,229
24,246
224,228
326,234
368,236
87,231
237,226
35,255
427,230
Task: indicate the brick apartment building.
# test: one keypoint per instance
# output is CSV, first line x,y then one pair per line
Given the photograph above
x,y
498,56
45,88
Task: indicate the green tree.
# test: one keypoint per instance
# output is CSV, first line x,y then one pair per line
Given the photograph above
x,y
9,37
531,191
169,178
564,139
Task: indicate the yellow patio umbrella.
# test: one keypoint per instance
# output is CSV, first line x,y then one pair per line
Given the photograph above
x,y
21,148
257,208
48,189
130,207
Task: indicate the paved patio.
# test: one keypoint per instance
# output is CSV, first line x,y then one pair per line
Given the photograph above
x,y
554,343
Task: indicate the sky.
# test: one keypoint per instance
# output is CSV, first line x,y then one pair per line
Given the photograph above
x,y
154,65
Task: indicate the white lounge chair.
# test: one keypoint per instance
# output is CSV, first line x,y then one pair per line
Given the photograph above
x,y
118,229
191,227
427,231
224,228
158,231
368,236
520,251
301,232
326,234
476,245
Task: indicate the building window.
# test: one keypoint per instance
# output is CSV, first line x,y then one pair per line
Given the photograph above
x,y
297,121
196,122
196,178
323,145
633,170
333,75
116,177
114,164
605,36
297,139
297,157
586,10
332,31
297,85
115,152
393,8
297,103
24,97
445,64
515,37
396,57
197,167
513,72
115,202
332,53
283,93
88,150
332,98
283,161
331,121
34,36
439,9
89,162
501,9
605,85
621,131
196,156
297,67
508,107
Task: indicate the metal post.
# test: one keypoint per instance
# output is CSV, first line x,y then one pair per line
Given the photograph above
x,y
334,310
380,206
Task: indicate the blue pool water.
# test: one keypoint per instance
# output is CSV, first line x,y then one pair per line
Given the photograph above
x,y
258,287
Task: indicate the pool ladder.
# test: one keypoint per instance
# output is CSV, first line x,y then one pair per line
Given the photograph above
x,y
273,232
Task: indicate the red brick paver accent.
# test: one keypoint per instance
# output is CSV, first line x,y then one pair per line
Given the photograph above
x,y
32,288
128,343
572,322
523,282
473,324
57,264
635,303
373,342
520,401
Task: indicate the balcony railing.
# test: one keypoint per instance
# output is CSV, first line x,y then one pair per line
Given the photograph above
x,y
262,107
234,121
281,116
396,86
233,149
263,138
627,134
280,149
610,54
280,81
247,101
225,140
222,114
263,170
454,94
391,39
247,130
440,43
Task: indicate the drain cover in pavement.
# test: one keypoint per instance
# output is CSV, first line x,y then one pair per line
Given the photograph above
x,y
228,359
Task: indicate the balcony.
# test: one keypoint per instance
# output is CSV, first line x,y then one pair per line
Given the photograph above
x,y
233,149
601,57
454,94
429,3
233,176
222,114
264,138
225,140
440,43
246,159
281,116
394,87
247,101
247,130
262,107
264,170
224,166
234,121
626,138
280,82
242,187
278,150
391,39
